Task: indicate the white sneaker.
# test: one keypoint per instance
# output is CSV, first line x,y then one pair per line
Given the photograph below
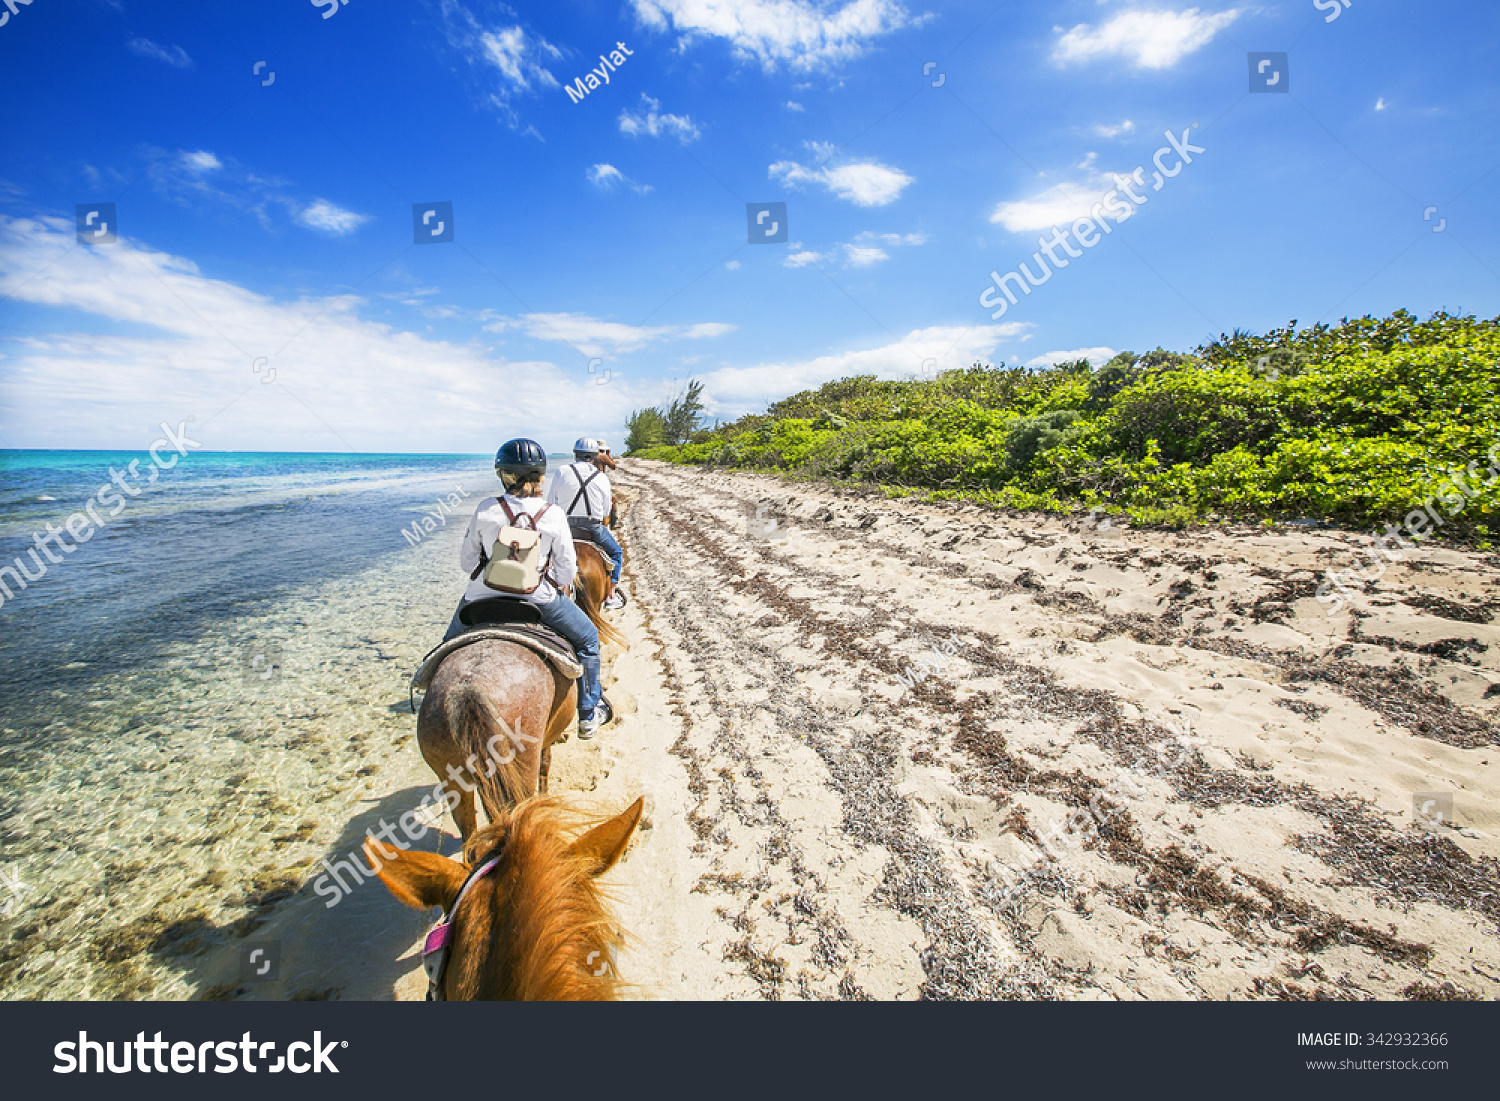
x,y
614,603
601,715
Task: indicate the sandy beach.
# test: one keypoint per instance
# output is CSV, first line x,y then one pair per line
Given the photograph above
x,y
828,819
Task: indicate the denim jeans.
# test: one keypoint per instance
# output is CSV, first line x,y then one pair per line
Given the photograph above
x,y
598,533
568,620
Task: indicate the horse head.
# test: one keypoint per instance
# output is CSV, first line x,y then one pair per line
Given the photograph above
x,y
524,919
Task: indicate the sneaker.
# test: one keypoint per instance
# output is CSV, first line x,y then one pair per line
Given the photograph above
x,y
587,725
615,603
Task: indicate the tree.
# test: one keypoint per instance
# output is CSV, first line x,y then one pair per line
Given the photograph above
x,y
682,416
644,428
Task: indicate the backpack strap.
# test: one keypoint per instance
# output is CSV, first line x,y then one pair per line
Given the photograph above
x,y
583,484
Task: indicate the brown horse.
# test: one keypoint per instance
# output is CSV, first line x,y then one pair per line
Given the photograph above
x,y
494,710
535,928
488,722
592,585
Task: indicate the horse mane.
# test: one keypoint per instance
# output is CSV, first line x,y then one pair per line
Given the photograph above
x,y
591,591
536,928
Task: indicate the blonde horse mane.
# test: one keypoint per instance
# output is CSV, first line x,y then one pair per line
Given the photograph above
x,y
537,928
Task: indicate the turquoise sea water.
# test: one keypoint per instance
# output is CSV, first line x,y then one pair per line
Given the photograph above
x,y
211,537
196,701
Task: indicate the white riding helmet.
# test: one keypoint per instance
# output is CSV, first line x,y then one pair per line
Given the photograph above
x,y
586,448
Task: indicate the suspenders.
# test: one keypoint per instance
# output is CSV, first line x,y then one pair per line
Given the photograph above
x,y
582,485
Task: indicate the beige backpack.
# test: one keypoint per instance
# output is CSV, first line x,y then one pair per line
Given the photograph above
x,y
516,566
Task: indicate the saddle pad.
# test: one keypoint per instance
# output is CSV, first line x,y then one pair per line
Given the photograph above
x,y
577,542
537,639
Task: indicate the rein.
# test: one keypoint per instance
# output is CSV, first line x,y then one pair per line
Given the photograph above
x,y
440,939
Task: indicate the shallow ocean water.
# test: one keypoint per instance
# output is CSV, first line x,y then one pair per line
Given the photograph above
x,y
195,702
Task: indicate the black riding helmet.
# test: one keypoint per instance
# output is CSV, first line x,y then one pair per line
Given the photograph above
x,y
520,461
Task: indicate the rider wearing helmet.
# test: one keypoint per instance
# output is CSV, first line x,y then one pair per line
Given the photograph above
x,y
521,465
581,489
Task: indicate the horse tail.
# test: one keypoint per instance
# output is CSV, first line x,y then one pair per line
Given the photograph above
x,y
490,748
591,586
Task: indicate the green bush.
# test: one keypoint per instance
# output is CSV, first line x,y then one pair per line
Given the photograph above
x,y
1357,422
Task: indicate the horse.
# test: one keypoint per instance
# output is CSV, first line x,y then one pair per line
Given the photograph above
x,y
592,586
534,927
500,703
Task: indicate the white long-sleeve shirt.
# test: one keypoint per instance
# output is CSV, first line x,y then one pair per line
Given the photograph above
x,y
556,541
599,497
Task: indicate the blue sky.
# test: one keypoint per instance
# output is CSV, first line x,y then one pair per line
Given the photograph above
x,y
266,282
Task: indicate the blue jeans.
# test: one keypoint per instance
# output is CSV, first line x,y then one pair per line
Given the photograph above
x,y
598,533
568,620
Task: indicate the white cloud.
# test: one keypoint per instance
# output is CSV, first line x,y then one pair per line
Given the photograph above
x,y
802,258
706,329
654,124
1380,104
1125,126
606,177
193,176
803,34
1150,39
594,337
732,265
791,106
328,217
175,56
1056,206
514,61
894,238
863,183
188,343
862,252
200,162
737,390
859,256
1097,356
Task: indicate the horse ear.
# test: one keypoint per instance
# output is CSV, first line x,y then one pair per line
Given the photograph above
x,y
605,843
417,879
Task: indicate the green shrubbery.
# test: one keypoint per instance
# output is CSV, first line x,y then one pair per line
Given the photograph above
x,y
1356,422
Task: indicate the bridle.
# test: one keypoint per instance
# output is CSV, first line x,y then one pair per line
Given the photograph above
x,y
440,939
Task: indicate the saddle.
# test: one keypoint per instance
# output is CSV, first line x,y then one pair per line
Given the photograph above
x,y
507,620
579,540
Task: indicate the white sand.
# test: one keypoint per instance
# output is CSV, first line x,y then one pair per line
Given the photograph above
x,y
819,829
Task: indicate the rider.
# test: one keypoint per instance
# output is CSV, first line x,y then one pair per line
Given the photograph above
x,y
581,489
608,461
521,465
